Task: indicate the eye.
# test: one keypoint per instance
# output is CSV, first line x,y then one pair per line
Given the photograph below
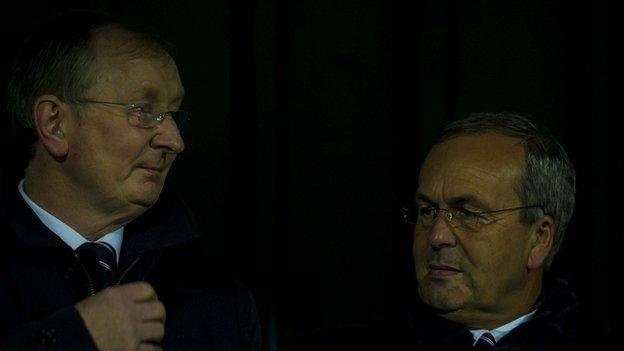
x,y
141,109
427,211
143,112
465,214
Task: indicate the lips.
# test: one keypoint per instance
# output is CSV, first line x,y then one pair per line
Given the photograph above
x,y
442,267
442,272
153,168
153,172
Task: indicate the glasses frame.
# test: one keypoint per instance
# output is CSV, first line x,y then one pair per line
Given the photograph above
x,y
449,214
180,117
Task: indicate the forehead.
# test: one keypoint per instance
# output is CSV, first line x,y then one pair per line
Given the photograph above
x,y
128,74
485,167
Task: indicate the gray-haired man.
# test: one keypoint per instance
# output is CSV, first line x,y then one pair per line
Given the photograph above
x,y
494,198
97,251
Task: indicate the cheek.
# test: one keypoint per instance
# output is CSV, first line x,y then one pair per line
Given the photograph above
x,y
491,260
418,242
420,250
110,158
85,152
113,135
483,260
123,150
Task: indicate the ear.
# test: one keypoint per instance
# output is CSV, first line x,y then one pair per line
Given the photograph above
x,y
49,114
542,237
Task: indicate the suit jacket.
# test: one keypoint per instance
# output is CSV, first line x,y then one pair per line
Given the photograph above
x,y
41,281
553,327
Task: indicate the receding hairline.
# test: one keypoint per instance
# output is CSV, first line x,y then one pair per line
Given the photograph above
x,y
117,40
114,43
511,143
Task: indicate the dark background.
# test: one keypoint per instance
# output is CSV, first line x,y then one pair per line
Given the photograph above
x,y
311,117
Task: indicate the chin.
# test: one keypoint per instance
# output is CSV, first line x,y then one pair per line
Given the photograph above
x,y
146,203
443,298
146,195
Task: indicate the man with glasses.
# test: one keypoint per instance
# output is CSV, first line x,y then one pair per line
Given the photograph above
x,y
494,197
98,253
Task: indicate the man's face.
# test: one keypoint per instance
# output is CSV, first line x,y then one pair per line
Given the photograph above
x,y
468,274
118,167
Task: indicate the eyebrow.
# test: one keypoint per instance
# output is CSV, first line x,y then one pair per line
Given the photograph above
x,y
422,197
152,95
149,94
455,201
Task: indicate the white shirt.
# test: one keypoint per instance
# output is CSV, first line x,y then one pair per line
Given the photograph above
x,y
71,237
503,330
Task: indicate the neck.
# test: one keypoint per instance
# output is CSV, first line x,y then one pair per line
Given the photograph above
x,y
46,186
524,301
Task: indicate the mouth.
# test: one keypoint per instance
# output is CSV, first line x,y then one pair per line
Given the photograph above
x,y
442,271
153,171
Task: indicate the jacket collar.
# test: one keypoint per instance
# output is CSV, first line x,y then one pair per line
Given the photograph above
x,y
169,222
557,306
432,332
24,226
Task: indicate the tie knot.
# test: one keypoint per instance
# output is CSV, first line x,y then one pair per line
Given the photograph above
x,y
99,259
98,251
485,342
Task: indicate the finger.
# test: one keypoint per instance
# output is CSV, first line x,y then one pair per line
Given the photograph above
x,y
151,332
149,347
152,311
140,291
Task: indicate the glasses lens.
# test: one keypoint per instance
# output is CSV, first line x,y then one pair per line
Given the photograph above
x,y
144,119
466,221
410,214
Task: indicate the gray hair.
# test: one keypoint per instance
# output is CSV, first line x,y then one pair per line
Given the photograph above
x,y
549,178
59,59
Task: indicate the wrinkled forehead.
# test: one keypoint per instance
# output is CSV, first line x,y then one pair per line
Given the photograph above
x,y
486,166
115,41
144,79
135,72
126,70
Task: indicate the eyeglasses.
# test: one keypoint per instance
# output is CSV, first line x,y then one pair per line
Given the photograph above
x,y
141,116
458,218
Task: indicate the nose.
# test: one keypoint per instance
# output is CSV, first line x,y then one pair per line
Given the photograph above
x,y
167,137
441,234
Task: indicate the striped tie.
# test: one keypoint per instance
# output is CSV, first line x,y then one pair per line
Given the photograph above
x,y
99,260
486,342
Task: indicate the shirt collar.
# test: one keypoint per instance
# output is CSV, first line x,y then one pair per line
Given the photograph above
x,y
503,330
71,237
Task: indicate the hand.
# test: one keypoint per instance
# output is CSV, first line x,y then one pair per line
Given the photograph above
x,y
125,317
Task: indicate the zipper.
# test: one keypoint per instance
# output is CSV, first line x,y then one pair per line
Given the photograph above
x,y
123,274
84,269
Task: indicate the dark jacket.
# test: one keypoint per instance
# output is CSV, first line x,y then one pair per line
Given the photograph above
x,y
41,281
553,327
